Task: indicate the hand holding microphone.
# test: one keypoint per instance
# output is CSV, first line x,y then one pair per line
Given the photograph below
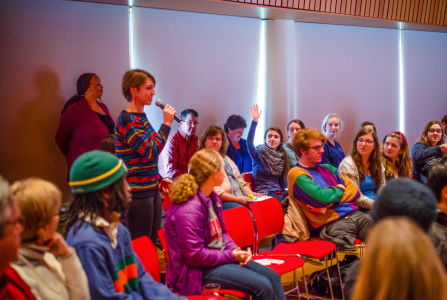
x,y
168,113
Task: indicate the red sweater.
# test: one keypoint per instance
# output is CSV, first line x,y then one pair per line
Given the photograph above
x,y
80,130
12,287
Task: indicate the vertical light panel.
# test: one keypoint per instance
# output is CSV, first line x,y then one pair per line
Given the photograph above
x,y
261,97
401,114
131,35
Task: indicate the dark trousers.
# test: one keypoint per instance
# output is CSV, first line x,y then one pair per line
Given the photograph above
x,y
144,216
345,230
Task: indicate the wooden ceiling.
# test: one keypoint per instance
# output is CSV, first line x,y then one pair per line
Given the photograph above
x,y
291,10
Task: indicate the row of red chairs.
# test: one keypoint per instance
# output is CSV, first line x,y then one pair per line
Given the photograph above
x,y
268,219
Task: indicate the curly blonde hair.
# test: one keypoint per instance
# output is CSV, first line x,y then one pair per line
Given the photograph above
x,y
38,200
201,166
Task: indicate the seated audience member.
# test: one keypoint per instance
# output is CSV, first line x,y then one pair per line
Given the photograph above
x,y
200,249
292,128
46,263
237,149
101,192
183,145
270,160
108,144
12,286
234,190
368,124
444,124
402,197
364,167
332,127
400,264
437,181
325,196
395,154
429,149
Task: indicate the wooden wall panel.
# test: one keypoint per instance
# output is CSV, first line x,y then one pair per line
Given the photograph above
x,y
428,12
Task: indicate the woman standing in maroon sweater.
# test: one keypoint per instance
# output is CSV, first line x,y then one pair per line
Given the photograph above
x,y
85,120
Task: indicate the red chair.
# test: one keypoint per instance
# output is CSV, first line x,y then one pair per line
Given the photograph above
x,y
147,253
240,226
248,177
164,244
166,184
269,219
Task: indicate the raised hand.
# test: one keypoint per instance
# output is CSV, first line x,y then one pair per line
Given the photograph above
x,y
255,112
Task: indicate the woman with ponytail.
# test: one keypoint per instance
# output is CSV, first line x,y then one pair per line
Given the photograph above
x,y
85,120
200,249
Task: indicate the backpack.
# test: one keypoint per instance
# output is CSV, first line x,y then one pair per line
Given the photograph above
x,y
319,283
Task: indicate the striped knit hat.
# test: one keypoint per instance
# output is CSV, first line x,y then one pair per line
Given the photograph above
x,y
95,170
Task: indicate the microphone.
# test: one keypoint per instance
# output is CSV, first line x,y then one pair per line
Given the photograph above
x,y
160,104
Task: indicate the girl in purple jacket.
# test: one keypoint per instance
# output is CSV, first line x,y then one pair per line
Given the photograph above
x,y
201,251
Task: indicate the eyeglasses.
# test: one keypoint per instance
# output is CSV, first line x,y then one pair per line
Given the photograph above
x,y
214,139
189,122
317,148
368,142
435,130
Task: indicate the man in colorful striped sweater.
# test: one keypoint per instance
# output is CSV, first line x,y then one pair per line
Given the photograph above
x,y
325,196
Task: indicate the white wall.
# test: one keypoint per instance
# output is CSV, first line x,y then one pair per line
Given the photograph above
x,y
46,45
425,66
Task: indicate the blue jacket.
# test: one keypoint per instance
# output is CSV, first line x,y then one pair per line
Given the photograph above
x,y
114,273
188,232
423,157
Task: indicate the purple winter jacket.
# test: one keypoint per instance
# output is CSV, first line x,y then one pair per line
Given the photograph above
x,y
188,232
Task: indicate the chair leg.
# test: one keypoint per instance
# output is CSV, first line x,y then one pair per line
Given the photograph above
x,y
305,283
329,277
339,276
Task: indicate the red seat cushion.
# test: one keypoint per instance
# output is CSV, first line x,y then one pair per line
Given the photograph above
x,y
316,249
290,263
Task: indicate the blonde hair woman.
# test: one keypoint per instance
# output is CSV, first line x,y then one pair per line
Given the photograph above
x,y
400,264
46,263
201,251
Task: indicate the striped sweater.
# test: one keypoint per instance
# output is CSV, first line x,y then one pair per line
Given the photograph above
x,y
114,273
315,191
139,146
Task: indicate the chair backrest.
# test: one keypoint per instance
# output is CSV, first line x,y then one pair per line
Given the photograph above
x,y
239,225
166,203
269,217
147,253
164,243
248,177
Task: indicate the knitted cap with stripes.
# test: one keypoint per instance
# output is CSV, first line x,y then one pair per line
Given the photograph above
x,y
95,170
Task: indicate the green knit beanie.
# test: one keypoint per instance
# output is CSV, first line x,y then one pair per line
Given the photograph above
x,y
95,170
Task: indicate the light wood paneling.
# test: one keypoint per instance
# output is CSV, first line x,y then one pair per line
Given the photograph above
x,y
428,12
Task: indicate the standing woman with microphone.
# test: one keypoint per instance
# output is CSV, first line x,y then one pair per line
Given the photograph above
x,y
139,145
